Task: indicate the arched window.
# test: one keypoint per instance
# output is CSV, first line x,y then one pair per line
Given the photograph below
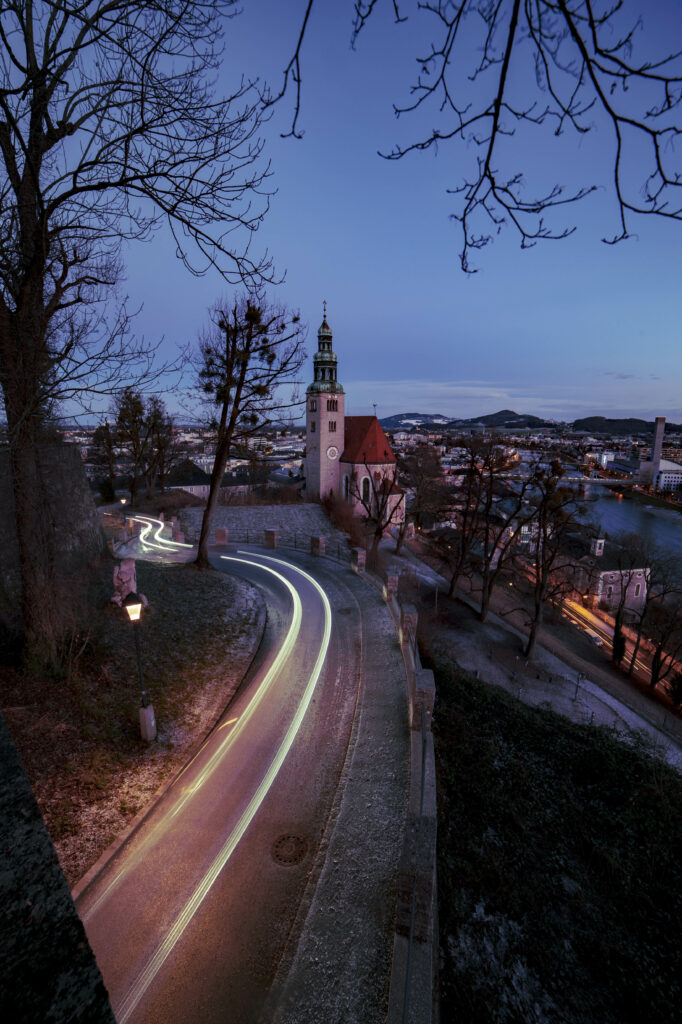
x,y
365,490
346,487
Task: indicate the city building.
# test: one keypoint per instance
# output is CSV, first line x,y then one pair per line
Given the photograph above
x,y
347,457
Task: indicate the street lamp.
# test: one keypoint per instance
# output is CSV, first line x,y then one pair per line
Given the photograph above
x,y
133,606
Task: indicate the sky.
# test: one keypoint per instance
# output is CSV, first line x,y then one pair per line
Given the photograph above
x,y
566,329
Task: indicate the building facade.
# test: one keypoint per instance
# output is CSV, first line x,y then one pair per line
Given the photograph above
x,y
347,457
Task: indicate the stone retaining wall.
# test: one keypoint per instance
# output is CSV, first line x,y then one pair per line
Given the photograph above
x,y
295,525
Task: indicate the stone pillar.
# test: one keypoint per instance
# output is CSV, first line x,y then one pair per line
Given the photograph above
x,y
357,559
317,545
390,586
408,622
221,536
424,697
147,724
271,538
179,536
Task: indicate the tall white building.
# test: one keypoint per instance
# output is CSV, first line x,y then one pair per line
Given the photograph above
x,y
324,420
347,457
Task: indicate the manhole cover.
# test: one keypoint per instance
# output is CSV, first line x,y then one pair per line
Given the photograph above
x,y
289,850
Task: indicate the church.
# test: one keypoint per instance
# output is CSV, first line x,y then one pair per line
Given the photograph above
x,y
347,457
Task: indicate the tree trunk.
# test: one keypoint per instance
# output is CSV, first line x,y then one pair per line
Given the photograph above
x,y
40,602
635,652
202,559
535,624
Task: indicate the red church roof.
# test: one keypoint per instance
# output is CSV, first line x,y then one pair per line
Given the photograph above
x,y
365,441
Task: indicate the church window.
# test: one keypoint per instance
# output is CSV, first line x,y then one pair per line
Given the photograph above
x,y
312,426
313,405
332,426
365,490
346,487
332,405
638,587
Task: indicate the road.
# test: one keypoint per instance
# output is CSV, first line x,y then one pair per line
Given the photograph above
x,y
189,919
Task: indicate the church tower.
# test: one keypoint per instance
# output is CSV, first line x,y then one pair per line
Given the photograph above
x,y
324,420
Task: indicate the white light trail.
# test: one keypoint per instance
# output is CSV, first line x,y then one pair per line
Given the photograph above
x,y
191,907
222,750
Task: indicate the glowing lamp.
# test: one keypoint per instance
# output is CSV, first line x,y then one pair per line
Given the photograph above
x,y
133,606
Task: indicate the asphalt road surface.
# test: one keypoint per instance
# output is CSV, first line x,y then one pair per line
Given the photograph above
x,y
189,919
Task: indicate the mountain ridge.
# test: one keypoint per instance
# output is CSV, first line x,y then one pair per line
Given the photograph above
x,y
507,418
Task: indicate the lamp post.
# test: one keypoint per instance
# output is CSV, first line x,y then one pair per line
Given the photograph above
x,y
133,606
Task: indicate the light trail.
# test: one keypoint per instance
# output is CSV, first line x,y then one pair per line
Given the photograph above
x,y
149,522
144,980
163,542
221,752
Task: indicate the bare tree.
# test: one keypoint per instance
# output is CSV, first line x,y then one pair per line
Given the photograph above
x,y
421,474
553,67
464,504
665,627
554,513
247,369
630,560
377,493
663,590
108,126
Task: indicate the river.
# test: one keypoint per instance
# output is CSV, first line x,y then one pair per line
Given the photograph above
x,y
662,526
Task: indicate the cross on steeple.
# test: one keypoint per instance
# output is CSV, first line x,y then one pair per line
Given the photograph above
x,y
324,310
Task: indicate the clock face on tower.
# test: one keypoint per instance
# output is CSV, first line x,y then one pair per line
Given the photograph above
x,y
332,452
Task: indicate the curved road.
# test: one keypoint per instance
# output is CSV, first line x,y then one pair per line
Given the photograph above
x,y
189,919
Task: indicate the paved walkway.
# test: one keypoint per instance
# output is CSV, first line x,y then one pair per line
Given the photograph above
x,y
337,969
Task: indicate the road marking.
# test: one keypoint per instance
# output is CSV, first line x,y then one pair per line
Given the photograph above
x,y
218,755
144,980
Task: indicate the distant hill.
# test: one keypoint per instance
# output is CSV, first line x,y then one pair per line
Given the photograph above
x,y
602,425
506,418
408,420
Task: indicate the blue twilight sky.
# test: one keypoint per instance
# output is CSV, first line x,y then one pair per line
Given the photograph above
x,y
569,328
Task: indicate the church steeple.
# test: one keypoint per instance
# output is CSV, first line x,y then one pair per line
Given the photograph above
x,y
325,361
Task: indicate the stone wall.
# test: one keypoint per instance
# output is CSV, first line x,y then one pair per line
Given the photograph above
x,y
295,524
49,972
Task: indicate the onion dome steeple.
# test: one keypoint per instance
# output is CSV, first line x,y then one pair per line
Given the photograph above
x,y
325,361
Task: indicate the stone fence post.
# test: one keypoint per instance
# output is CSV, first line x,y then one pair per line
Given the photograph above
x,y
317,545
358,558
424,697
390,588
271,538
408,622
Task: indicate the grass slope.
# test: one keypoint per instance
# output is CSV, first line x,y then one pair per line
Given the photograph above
x,y
558,865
